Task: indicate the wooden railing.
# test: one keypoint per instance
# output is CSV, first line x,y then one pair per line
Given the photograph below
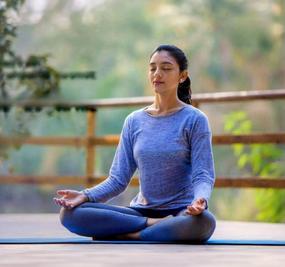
x,y
90,140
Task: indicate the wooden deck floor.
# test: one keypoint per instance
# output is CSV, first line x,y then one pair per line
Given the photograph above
x,y
47,225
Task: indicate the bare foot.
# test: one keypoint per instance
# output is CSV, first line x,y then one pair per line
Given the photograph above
x,y
129,236
136,235
152,221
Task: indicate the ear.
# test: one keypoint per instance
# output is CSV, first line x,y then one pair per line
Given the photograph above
x,y
183,75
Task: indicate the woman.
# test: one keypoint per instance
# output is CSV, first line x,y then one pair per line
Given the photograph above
x,y
169,142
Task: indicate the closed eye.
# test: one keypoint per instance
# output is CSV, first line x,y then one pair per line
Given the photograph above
x,y
162,69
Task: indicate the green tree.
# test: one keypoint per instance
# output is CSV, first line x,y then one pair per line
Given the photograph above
x,y
21,78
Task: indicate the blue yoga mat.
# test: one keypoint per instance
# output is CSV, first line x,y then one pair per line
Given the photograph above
x,y
82,240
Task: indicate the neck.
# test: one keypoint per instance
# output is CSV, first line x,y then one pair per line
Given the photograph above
x,y
164,103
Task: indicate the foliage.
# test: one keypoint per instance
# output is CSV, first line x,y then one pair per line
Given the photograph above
x,y
264,160
14,84
20,78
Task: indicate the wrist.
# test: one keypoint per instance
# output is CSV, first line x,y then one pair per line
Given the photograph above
x,y
85,196
206,203
204,200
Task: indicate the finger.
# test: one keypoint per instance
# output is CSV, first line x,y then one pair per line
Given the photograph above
x,y
198,207
190,208
202,202
190,211
62,192
62,202
67,204
194,210
199,203
56,201
59,203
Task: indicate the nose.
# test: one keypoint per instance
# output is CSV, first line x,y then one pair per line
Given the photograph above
x,y
157,73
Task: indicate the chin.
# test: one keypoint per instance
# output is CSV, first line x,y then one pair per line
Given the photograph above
x,y
158,89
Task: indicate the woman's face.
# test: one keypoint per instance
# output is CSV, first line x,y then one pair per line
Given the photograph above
x,y
164,73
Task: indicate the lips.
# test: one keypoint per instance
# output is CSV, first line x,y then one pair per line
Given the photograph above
x,y
157,82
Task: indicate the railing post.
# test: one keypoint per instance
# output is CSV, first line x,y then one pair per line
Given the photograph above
x,y
90,149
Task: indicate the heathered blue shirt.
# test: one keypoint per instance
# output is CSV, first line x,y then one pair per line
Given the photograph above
x,y
173,156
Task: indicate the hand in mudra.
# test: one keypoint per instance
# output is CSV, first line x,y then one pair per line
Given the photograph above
x,y
197,207
70,198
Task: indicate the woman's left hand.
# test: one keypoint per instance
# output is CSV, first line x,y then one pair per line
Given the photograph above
x,y
197,207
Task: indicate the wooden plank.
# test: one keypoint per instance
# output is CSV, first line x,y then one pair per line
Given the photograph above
x,y
221,182
110,140
41,140
225,139
240,96
43,179
106,140
49,179
258,138
237,96
251,182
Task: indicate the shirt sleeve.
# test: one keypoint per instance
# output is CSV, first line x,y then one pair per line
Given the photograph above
x,y
121,171
202,160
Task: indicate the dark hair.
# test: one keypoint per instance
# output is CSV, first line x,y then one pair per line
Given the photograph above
x,y
184,89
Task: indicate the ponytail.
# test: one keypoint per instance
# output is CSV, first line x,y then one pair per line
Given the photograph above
x,y
184,91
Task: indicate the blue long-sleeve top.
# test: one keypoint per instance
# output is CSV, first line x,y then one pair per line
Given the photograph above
x,y
173,156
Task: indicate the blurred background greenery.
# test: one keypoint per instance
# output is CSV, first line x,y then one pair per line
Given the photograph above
x,y
232,45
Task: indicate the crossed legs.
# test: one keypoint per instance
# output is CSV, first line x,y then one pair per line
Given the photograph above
x,y
110,221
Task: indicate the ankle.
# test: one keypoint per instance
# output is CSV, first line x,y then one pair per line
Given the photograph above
x,y
147,221
152,221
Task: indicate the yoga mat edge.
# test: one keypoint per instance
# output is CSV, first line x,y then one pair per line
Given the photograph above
x,y
75,240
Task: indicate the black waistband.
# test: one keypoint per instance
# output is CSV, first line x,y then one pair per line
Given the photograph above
x,y
158,213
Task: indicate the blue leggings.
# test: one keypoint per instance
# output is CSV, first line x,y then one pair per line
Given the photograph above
x,y
104,221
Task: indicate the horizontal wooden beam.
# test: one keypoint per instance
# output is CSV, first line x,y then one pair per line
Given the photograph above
x,y
42,179
254,182
225,139
258,138
40,140
238,96
221,182
112,140
107,140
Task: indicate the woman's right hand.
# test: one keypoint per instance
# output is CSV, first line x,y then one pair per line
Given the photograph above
x,y
70,198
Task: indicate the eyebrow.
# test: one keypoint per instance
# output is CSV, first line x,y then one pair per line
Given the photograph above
x,y
165,62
